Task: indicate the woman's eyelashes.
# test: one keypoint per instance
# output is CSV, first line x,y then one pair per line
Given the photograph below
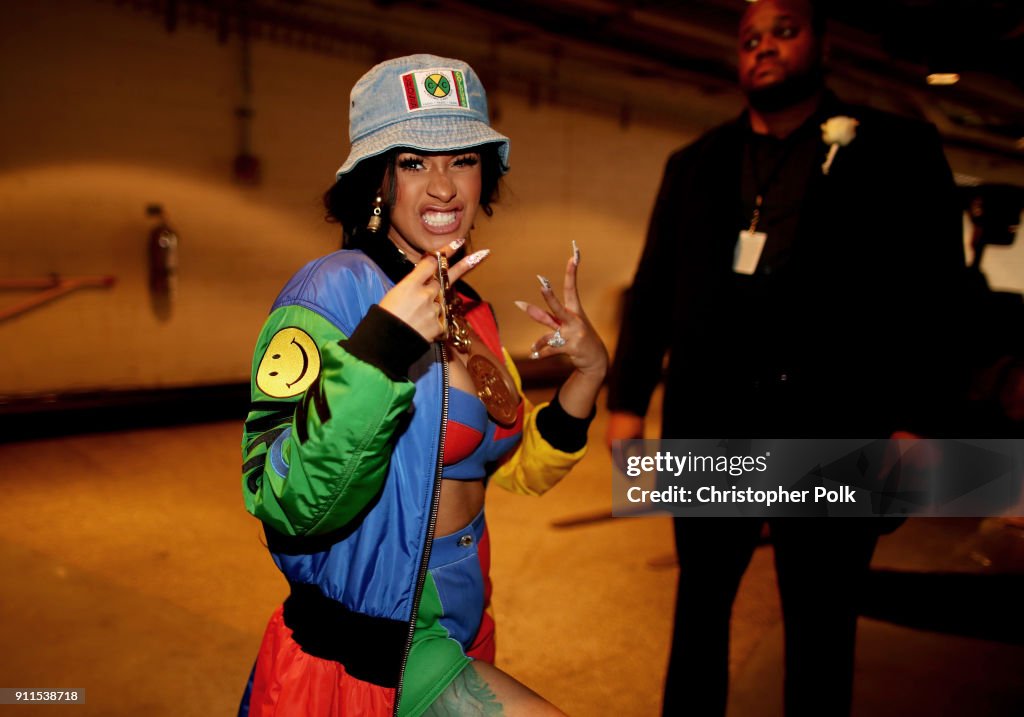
x,y
410,163
413,163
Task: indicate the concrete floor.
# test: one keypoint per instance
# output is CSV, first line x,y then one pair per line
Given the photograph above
x,y
132,571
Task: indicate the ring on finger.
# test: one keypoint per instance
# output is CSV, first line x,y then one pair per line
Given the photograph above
x,y
557,341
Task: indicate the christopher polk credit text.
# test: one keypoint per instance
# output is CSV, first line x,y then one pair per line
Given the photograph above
x,y
767,497
693,466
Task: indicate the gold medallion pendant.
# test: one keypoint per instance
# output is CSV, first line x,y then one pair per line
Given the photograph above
x,y
501,403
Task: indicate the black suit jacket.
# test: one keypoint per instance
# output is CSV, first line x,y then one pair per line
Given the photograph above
x,y
859,337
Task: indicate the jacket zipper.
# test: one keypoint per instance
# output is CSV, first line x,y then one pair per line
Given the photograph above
x,y
431,524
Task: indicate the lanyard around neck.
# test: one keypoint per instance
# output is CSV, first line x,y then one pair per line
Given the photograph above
x,y
761,187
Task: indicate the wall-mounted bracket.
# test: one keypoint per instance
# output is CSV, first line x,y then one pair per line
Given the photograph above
x,y
47,289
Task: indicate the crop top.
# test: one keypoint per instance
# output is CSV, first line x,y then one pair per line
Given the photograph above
x,y
473,440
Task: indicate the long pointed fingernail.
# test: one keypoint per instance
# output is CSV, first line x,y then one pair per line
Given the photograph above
x,y
523,306
544,283
456,243
477,257
575,253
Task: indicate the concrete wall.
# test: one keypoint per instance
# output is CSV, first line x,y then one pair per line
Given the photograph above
x,y
105,112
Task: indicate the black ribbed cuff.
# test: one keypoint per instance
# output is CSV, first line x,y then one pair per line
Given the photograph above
x,y
564,432
385,341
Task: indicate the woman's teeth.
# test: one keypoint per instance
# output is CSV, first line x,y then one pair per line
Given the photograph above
x,y
438,219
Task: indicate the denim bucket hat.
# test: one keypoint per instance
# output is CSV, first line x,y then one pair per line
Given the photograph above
x,y
422,102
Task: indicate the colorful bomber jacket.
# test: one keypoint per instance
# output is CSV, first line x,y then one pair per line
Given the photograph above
x,y
342,466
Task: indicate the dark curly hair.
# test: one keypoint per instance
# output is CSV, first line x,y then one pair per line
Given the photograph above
x,y
348,202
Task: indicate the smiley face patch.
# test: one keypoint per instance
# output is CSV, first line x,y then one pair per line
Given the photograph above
x,y
289,365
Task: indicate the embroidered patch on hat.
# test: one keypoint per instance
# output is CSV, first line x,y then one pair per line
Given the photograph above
x,y
427,89
289,365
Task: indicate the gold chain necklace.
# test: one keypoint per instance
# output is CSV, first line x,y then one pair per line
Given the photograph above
x,y
492,381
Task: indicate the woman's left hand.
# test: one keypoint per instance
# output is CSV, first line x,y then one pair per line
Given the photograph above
x,y
571,332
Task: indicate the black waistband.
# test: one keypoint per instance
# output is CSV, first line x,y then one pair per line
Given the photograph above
x,y
369,647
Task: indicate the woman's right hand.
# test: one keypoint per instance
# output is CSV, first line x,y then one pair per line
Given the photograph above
x,y
415,299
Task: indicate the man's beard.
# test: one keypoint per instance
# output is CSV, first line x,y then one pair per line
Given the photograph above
x,y
785,94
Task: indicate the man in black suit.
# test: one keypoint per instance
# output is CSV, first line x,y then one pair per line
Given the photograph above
x,y
802,286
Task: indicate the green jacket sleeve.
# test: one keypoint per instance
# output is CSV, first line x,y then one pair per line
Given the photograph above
x,y
318,436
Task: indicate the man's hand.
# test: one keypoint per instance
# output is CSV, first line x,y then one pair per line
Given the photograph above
x,y
623,425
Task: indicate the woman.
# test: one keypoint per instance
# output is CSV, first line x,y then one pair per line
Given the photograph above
x,y
382,404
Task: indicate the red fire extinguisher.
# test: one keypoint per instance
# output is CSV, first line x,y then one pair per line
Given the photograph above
x,y
163,262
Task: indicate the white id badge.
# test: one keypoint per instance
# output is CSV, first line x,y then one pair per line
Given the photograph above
x,y
748,252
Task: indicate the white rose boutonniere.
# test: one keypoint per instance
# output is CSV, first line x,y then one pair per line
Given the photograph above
x,y
837,132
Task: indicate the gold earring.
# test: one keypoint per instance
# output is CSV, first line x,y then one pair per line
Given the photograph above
x,y
374,224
